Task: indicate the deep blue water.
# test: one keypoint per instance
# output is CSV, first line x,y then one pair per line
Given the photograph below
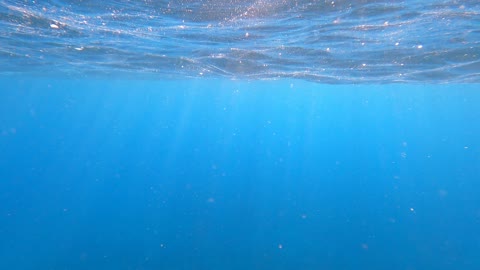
x,y
212,135
202,174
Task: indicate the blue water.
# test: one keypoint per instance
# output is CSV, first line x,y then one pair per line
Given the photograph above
x,y
202,174
211,135
365,41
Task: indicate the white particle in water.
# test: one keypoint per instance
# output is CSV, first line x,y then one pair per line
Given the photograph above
x,y
54,26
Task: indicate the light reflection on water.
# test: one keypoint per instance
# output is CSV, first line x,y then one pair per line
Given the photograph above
x,y
325,41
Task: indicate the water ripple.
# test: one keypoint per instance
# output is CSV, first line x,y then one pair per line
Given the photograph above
x,y
366,41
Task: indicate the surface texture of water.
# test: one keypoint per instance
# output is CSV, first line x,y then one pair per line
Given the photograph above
x,y
368,41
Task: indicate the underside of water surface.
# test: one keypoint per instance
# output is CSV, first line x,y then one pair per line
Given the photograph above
x,y
368,41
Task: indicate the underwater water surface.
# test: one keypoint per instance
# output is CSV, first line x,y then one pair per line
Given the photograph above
x,y
211,134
